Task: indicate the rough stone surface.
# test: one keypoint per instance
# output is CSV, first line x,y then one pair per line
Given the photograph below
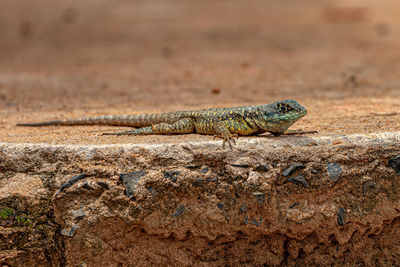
x,y
395,164
334,171
293,225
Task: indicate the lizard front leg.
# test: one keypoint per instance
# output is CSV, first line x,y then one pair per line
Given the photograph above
x,y
222,131
180,127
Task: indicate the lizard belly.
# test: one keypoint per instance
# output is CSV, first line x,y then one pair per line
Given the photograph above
x,y
234,127
204,128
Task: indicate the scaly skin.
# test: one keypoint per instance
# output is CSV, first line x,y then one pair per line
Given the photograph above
x,y
224,123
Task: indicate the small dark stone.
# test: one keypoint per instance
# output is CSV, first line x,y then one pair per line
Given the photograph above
x,y
237,194
152,191
86,185
368,187
341,216
315,171
293,205
299,180
255,222
262,168
246,219
292,168
104,185
241,165
130,181
70,232
71,182
260,196
226,216
334,171
78,214
172,175
179,211
204,170
198,182
212,180
220,205
192,167
395,164
243,209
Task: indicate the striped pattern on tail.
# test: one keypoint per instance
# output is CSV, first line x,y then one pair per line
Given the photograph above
x,y
140,120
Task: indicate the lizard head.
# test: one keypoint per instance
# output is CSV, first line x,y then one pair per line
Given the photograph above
x,y
279,116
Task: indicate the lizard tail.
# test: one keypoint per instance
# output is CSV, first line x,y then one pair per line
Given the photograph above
x,y
119,120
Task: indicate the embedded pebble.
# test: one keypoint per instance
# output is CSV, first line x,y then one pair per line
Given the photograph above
x,y
262,168
70,232
71,182
86,185
237,194
204,170
130,181
255,222
334,171
395,164
172,175
260,196
341,216
299,180
315,171
368,187
243,209
198,182
292,168
191,167
240,165
152,191
179,211
220,205
104,185
77,214
246,219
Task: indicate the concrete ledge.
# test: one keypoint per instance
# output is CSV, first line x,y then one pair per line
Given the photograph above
x,y
274,201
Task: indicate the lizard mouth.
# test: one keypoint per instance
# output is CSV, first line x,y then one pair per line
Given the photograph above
x,y
281,122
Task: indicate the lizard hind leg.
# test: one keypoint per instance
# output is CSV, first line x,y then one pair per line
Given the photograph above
x,y
180,127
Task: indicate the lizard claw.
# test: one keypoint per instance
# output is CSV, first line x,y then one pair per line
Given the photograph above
x,y
227,139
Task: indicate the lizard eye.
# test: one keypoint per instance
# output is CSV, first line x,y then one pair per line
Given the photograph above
x,y
283,107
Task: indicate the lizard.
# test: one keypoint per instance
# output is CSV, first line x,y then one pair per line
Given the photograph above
x,y
224,123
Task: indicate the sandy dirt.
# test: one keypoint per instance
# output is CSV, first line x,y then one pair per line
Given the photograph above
x,y
339,59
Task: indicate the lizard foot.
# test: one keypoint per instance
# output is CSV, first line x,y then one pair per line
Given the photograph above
x,y
228,139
